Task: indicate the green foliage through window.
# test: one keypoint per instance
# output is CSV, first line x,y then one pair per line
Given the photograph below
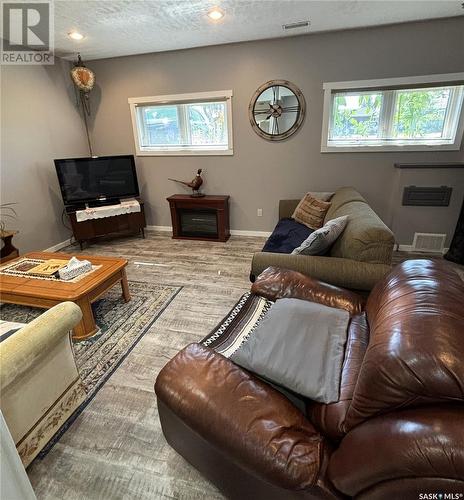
x,y
420,113
390,116
356,115
190,124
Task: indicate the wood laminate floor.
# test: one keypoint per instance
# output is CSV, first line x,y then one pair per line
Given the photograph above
x,y
115,449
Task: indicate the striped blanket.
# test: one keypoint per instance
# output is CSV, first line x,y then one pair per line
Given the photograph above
x,y
237,326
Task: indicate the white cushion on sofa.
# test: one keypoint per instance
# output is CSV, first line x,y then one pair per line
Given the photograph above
x,y
319,242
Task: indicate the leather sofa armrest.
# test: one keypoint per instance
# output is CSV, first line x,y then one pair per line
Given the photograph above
x,y
426,442
275,283
243,417
337,271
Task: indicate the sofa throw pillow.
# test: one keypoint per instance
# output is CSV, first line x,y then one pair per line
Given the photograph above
x,y
300,346
311,211
319,242
321,195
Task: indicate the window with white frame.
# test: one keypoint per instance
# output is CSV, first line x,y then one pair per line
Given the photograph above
x,y
183,124
412,114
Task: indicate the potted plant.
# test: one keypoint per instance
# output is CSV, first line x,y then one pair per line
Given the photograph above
x,y
8,251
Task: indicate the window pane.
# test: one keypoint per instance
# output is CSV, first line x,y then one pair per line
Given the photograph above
x,y
356,116
161,126
420,113
207,123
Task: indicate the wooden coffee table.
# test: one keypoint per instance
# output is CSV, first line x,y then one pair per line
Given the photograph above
x,y
46,293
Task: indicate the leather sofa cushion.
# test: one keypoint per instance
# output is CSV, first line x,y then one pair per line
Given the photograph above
x,y
243,417
277,283
416,346
419,443
287,235
330,418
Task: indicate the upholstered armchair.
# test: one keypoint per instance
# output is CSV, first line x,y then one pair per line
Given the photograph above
x,y
39,381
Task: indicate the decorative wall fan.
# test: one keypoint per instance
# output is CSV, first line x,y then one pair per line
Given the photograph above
x,y
84,81
277,110
83,78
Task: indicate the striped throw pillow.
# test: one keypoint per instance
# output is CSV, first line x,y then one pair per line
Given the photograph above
x,y
311,211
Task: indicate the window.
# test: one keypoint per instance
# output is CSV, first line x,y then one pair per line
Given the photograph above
x,y
186,124
414,114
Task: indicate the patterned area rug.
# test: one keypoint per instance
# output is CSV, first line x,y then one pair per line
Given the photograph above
x,y
121,325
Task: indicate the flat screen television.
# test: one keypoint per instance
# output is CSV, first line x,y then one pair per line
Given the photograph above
x,y
97,179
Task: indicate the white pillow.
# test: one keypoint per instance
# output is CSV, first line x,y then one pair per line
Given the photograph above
x,y
318,242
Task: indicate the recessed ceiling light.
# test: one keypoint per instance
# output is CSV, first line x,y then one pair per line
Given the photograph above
x,y
75,35
215,14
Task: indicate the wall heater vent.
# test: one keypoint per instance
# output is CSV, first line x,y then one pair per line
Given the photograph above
x,y
427,196
429,242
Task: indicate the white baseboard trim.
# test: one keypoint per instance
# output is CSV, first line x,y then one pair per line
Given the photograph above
x,y
158,228
233,232
243,232
410,248
58,246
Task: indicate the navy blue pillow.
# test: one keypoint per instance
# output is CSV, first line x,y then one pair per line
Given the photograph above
x,y
287,235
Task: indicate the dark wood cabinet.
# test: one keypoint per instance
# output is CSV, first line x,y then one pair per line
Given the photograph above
x,y
203,218
132,223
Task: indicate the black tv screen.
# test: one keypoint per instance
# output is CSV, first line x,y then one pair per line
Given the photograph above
x,y
97,178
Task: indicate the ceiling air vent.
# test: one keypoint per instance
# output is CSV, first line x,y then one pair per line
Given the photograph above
x,y
299,24
429,242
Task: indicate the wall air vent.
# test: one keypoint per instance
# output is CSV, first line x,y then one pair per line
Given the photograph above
x,y
427,196
429,242
299,24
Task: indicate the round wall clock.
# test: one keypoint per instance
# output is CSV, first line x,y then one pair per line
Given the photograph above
x,y
277,110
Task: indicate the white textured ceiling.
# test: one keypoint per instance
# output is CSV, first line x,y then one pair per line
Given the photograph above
x,y
122,27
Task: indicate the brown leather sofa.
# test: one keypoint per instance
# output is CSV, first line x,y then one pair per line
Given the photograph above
x,y
397,431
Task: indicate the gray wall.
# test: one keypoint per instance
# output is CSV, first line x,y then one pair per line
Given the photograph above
x,y
261,172
39,122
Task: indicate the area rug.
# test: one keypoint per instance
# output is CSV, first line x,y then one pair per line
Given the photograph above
x,y
122,325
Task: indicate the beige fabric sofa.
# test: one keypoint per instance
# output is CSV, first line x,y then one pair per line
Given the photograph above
x,y
39,381
358,259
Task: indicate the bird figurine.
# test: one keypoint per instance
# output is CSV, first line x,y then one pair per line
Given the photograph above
x,y
195,184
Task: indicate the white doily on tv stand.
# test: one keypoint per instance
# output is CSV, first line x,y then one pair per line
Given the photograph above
x,y
125,207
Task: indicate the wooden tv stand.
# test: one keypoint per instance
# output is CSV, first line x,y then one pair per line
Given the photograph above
x,y
87,230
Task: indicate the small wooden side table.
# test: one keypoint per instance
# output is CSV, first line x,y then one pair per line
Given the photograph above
x,y
200,218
